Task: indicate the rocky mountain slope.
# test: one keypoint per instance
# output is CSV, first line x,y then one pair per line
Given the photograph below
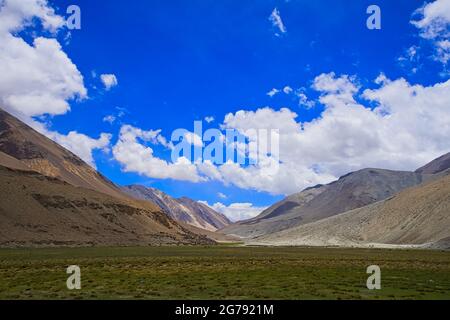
x,y
416,216
354,190
38,153
49,196
182,209
37,210
436,166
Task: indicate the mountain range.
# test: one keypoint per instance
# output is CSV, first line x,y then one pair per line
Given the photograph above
x,y
351,191
417,216
36,152
49,196
183,209
366,207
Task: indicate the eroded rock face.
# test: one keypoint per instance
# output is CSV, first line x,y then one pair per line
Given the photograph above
x,y
36,210
436,166
49,196
183,210
43,155
415,217
354,190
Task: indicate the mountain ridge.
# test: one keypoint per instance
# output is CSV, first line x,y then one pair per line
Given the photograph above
x,y
182,209
49,196
45,156
436,166
415,217
353,190
41,211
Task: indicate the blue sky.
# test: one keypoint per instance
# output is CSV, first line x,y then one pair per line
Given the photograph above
x,y
181,61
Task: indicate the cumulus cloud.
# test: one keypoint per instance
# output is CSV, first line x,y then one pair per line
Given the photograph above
x,y
277,22
237,211
409,127
273,92
410,59
397,126
15,15
434,24
193,139
39,78
109,118
81,144
209,119
410,54
330,84
299,93
109,81
434,19
118,114
303,100
443,51
222,195
135,156
288,90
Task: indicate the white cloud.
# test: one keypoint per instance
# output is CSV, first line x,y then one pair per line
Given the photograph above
x,y
82,145
434,19
277,22
119,113
434,24
109,118
303,100
443,51
193,139
222,195
273,92
237,211
299,93
409,127
39,78
410,54
209,119
137,157
17,14
381,79
287,90
109,81
327,82
410,59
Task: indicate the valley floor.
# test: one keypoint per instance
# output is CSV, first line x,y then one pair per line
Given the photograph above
x,y
223,272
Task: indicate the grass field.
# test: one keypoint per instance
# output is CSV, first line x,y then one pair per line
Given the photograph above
x,y
223,272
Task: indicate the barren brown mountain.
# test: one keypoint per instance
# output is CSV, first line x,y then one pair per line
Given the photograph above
x,y
41,154
354,190
416,216
49,196
436,166
37,210
183,209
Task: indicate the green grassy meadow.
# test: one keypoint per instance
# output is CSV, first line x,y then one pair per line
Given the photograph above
x,y
223,272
